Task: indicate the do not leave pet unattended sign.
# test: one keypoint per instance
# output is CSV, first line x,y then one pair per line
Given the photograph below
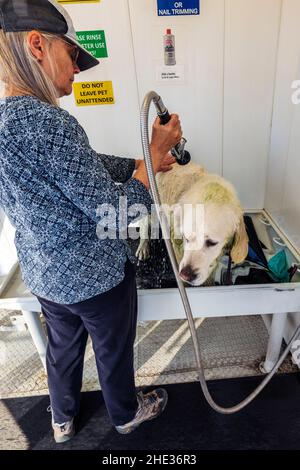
x,y
172,8
93,93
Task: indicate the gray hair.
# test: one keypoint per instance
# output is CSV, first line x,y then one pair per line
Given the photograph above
x,y
20,70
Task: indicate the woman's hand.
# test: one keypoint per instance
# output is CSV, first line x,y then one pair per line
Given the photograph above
x,y
166,163
165,137
138,163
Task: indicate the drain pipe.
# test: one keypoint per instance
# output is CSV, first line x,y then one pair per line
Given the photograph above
x,y
155,98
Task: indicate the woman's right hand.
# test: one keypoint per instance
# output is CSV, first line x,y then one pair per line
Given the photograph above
x,y
164,138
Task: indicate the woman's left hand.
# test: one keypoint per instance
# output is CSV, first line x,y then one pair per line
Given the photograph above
x,y
166,163
138,163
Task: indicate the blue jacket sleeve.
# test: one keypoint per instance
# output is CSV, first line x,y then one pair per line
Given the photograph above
x,y
120,169
83,177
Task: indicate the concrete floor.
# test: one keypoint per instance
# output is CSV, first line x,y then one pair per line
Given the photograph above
x,y
231,347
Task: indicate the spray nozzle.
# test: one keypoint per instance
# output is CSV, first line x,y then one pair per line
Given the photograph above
x,y
182,156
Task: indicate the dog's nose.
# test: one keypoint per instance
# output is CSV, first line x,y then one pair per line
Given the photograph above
x,y
187,274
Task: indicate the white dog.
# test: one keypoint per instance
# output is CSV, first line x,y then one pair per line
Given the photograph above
x,y
220,224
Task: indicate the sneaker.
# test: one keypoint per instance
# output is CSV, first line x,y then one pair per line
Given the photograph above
x,y
150,405
63,432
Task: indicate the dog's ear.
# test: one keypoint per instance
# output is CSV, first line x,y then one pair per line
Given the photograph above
x,y
239,249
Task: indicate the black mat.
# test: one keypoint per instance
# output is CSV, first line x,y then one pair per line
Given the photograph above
x,y
271,422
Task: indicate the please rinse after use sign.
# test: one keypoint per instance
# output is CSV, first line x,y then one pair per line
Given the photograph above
x,y
171,8
94,42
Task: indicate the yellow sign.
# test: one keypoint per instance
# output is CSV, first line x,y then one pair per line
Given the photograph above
x,y
93,93
78,1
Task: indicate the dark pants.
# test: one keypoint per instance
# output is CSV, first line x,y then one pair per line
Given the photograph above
x,y
110,319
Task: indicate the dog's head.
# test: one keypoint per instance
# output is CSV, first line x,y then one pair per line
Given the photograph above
x,y
203,231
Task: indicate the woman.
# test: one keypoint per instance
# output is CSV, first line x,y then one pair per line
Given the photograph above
x,y
52,184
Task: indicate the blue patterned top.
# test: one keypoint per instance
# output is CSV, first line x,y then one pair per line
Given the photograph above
x,y
51,184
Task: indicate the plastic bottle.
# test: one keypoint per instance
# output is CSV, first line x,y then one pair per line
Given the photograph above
x,y
169,48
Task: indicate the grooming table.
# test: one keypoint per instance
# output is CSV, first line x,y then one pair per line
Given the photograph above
x,y
276,300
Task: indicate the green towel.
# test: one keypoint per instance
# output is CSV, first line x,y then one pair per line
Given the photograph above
x,y
278,266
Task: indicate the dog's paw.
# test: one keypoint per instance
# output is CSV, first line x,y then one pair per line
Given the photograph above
x,y
143,251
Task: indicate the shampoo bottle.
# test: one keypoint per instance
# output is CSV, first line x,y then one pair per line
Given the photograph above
x,y
169,48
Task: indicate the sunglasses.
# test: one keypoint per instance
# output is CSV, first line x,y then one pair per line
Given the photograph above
x,y
74,52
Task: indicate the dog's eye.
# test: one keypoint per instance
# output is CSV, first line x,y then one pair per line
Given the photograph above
x,y
209,243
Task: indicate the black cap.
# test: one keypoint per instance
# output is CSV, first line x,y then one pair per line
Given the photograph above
x,y
47,16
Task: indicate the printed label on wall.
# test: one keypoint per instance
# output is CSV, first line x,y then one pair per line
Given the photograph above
x,y
176,75
93,93
94,42
171,8
78,1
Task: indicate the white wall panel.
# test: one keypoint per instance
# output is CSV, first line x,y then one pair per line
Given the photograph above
x,y
290,209
199,49
251,39
284,162
111,128
282,199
